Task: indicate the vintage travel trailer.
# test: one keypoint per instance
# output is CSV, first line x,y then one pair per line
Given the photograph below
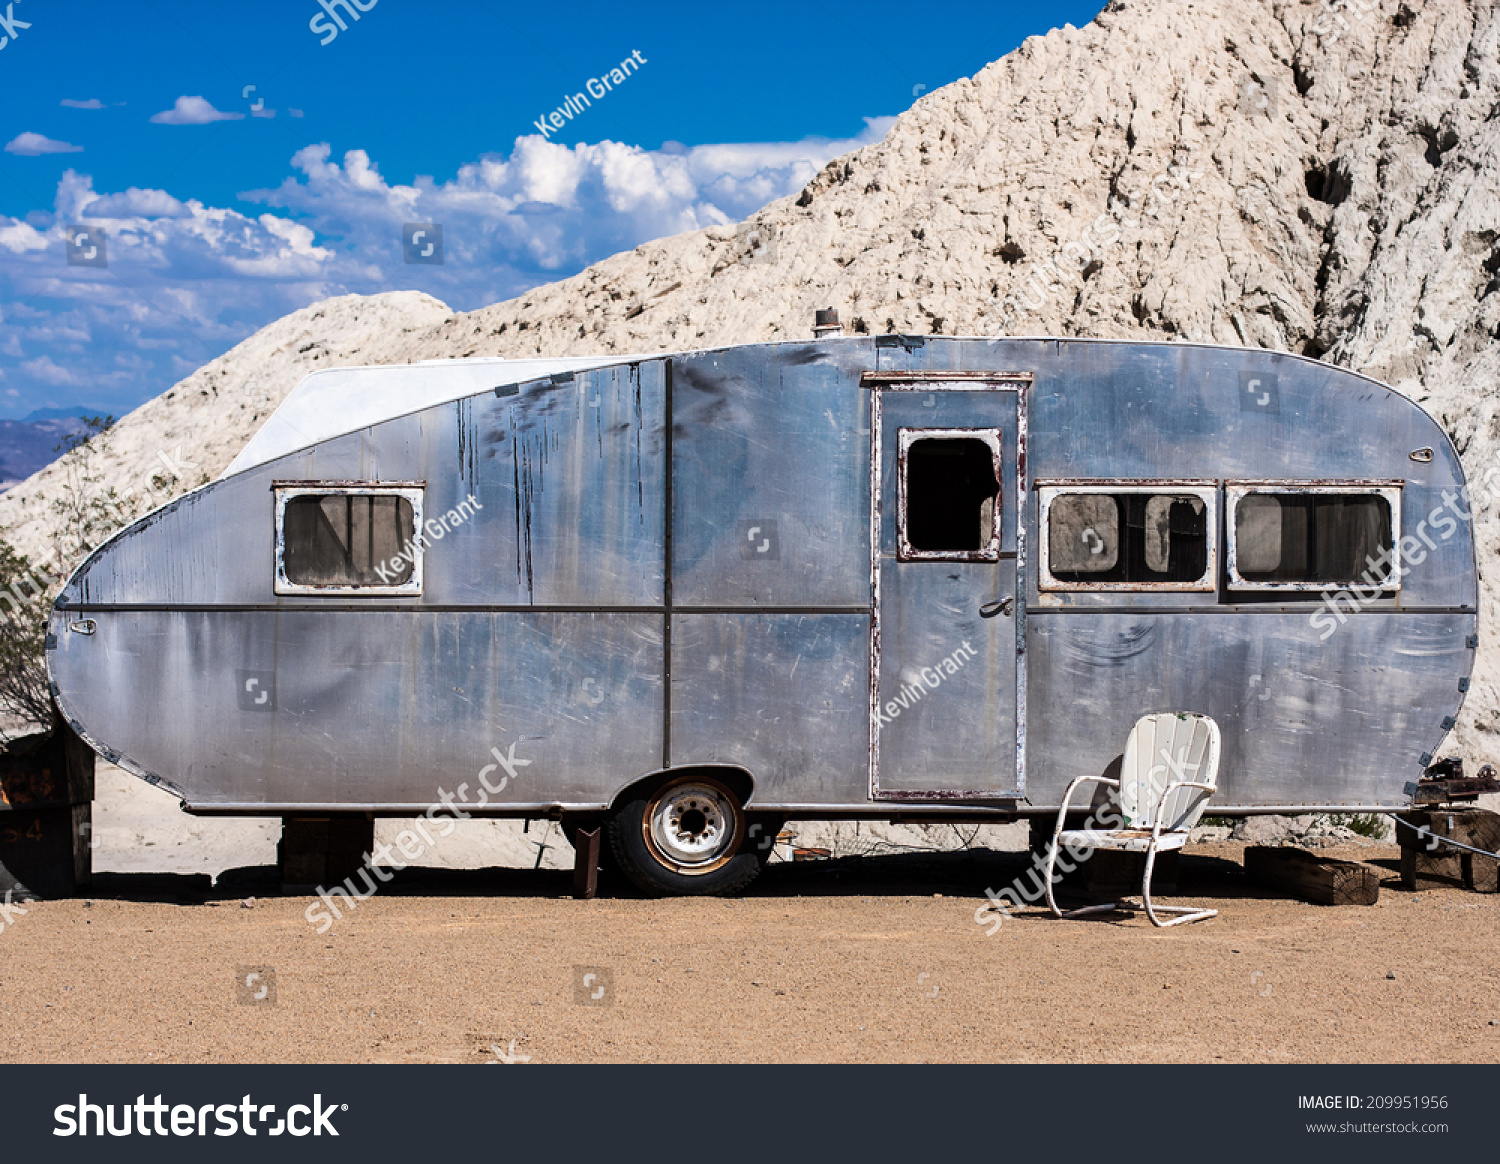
x,y
687,597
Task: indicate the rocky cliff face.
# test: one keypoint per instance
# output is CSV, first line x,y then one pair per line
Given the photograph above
x,y
1312,177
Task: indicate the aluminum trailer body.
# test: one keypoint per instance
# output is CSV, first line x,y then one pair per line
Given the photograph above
x,y
786,563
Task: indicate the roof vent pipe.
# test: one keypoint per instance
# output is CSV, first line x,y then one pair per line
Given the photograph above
x,y
826,322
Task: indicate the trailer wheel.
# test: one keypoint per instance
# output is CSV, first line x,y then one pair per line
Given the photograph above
x,y
685,837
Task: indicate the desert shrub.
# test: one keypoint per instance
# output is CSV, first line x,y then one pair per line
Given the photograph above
x,y
1368,824
86,513
93,426
25,593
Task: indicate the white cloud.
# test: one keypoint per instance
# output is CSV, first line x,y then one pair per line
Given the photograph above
x,y
192,111
91,103
546,209
48,371
186,281
29,145
20,237
136,203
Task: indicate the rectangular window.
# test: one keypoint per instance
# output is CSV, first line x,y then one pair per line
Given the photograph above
x,y
346,539
1119,535
949,495
1302,535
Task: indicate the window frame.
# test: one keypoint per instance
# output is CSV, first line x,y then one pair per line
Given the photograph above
x,y
1206,490
994,438
412,491
1237,491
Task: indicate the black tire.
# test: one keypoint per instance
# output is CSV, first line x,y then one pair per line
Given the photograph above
x,y
761,834
685,837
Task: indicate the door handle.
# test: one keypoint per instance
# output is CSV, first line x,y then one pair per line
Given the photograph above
x,y
990,609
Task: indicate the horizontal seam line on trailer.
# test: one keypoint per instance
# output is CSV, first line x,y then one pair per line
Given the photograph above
x,y
346,607
1266,608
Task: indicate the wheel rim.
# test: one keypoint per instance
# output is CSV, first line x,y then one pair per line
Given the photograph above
x,y
693,827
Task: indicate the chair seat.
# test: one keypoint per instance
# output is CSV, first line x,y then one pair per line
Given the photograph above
x,y
1122,840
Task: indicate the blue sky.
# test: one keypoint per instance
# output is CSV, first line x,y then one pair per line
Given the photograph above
x,y
133,118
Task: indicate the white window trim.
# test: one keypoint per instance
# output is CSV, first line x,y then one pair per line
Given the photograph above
x,y
1205,491
288,490
1236,491
990,551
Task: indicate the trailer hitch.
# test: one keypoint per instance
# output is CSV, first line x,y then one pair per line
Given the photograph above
x,y
1445,783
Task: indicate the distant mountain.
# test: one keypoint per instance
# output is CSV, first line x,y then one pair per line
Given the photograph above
x,y
32,444
57,413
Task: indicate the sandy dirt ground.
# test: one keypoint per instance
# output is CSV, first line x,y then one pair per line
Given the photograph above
x,y
861,959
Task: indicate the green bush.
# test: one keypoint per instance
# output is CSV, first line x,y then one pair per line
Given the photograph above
x,y
25,593
1368,824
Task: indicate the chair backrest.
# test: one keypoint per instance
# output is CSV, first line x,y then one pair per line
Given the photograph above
x,y
1164,748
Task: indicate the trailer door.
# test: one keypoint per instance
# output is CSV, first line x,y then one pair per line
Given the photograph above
x,y
948,631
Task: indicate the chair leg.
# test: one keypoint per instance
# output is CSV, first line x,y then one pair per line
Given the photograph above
x,y
1052,902
1189,913
1146,883
1047,873
1106,907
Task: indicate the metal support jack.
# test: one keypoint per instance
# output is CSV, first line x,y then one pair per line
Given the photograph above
x,y
586,863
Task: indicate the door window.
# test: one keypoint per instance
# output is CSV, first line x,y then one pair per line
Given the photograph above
x,y
949,495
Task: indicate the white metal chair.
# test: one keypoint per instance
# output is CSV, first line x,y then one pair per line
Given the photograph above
x,y
1170,770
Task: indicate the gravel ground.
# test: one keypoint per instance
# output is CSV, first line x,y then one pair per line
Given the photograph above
x,y
873,959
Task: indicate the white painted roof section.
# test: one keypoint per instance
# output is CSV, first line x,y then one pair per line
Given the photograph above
x,y
339,401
